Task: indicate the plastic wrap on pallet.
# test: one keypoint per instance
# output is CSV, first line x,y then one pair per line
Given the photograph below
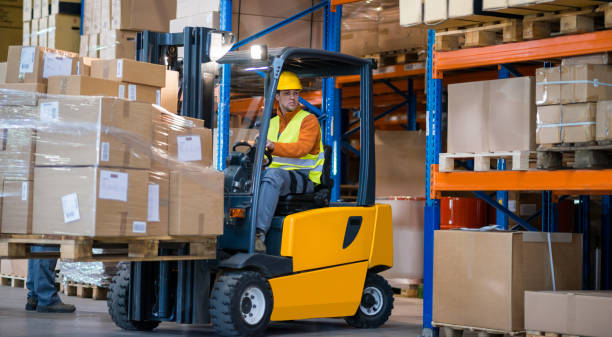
x,y
91,273
104,167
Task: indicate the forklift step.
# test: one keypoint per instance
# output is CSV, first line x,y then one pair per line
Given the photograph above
x,y
80,249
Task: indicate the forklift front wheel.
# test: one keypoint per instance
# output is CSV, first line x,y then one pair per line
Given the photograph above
x,y
241,304
376,303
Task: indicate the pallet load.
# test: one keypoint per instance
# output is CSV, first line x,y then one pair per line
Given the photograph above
x,y
52,23
110,26
569,98
489,120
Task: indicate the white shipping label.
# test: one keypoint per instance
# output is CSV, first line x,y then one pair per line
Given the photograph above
x,y
119,68
153,203
158,97
139,227
113,185
24,191
132,92
189,148
512,206
26,64
121,91
49,111
70,206
105,152
56,65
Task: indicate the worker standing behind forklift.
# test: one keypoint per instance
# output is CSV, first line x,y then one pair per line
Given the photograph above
x,y
294,140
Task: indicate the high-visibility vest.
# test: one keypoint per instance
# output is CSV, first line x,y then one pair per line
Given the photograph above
x,y
311,162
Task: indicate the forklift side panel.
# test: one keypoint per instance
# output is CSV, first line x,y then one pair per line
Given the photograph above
x,y
381,256
329,292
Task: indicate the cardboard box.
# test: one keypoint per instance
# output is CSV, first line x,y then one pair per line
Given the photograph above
x,y
94,44
158,194
130,71
586,88
581,120
27,10
17,207
34,32
65,6
457,9
400,163
37,9
494,4
601,58
11,17
142,14
30,87
549,125
411,12
493,269
87,17
2,72
192,146
392,36
139,92
36,64
468,118
603,121
112,133
359,43
9,37
84,45
196,202
44,8
92,201
190,7
169,93
17,152
435,10
27,35
116,44
105,15
96,19
206,19
14,267
547,94
84,65
64,32
82,86
299,34
43,24
583,313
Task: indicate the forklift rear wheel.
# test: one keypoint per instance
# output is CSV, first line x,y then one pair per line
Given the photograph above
x,y
241,304
117,302
376,304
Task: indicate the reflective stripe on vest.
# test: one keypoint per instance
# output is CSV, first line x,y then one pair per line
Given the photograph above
x,y
311,162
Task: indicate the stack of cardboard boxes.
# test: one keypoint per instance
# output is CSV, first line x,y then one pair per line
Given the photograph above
x,y
101,166
572,101
52,23
110,26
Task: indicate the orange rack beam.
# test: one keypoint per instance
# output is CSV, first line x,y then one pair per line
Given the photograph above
x,y
562,46
533,180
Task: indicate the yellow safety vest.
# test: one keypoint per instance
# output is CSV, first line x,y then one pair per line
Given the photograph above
x,y
291,134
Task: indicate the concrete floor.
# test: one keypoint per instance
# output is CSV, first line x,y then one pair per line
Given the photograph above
x,y
92,320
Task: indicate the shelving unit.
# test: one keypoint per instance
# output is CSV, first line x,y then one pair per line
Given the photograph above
x,y
551,183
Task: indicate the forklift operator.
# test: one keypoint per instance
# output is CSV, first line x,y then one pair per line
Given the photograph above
x,y
294,140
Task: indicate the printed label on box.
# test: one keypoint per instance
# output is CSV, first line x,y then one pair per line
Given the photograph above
x,y
56,65
139,227
153,203
105,153
121,91
512,205
70,206
158,97
119,68
26,64
113,185
24,191
189,148
132,92
49,111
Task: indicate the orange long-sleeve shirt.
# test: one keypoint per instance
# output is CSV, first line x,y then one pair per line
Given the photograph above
x,y
308,141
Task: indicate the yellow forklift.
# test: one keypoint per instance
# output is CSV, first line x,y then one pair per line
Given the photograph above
x,y
322,258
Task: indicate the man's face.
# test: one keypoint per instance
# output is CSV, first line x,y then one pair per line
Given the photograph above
x,y
288,100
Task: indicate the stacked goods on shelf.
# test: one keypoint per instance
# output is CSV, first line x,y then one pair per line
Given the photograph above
x,y
110,26
11,26
194,13
493,271
131,171
54,24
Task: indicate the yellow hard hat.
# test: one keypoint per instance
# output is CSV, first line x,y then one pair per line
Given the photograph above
x,y
288,81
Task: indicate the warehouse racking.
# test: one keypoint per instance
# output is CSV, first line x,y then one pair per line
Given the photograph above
x,y
553,184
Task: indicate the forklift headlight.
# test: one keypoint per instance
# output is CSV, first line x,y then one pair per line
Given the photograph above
x,y
259,52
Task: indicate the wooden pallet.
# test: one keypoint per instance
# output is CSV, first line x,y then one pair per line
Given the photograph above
x,y
394,57
12,281
589,155
479,35
83,290
17,246
585,20
546,334
453,330
520,160
549,6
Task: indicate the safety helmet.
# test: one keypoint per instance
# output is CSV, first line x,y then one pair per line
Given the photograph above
x,y
288,81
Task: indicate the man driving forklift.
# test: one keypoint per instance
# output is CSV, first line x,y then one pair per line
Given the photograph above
x,y
294,140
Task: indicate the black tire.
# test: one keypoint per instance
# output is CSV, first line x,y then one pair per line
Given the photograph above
x,y
369,314
117,302
230,301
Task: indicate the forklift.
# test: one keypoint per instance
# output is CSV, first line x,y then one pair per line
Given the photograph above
x,y
323,258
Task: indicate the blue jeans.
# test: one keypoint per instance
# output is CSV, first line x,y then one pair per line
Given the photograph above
x,y
41,278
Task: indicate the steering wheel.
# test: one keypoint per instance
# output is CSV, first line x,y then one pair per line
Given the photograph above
x,y
239,144
267,153
268,157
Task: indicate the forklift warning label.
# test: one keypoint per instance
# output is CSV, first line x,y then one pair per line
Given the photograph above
x,y
189,148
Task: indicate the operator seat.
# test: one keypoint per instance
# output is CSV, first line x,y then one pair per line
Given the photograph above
x,y
293,203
